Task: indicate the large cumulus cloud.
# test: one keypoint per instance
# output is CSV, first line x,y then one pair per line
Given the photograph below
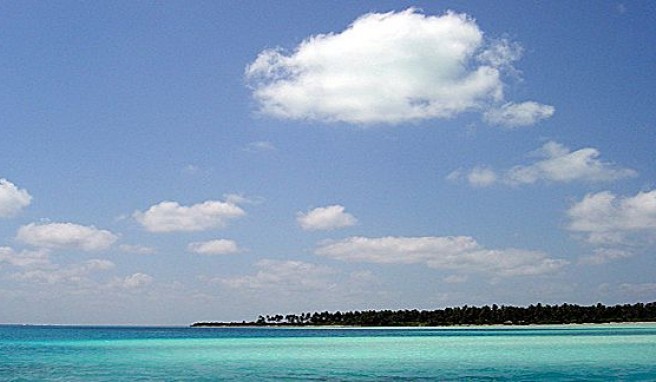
x,y
391,68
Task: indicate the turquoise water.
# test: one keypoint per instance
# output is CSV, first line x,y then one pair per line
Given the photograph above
x,y
565,353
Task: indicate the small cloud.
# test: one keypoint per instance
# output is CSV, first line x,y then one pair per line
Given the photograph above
x,y
214,247
12,199
562,165
66,235
193,170
455,175
137,249
605,255
260,146
501,54
481,177
134,281
241,199
514,115
171,216
558,164
325,218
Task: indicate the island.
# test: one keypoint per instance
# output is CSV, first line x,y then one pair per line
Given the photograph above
x,y
535,314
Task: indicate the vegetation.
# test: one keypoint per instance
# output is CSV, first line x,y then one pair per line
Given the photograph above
x,y
466,315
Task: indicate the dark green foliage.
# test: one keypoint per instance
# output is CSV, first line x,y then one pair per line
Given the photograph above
x,y
466,315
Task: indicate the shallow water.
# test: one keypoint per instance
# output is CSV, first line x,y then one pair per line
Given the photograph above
x,y
566,353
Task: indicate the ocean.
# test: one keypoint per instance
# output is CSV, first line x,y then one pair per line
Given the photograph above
x,y
622,352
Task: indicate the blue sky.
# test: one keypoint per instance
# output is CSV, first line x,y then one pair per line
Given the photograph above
x,y
168,162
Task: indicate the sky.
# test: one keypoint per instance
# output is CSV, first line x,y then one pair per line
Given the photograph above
x,y
163,163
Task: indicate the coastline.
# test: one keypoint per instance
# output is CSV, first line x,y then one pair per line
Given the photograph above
x,y
426,327
487,315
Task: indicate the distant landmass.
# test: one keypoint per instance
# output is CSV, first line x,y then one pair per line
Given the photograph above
x,y
465,315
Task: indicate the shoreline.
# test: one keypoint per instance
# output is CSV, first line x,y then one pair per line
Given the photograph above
x,y
341,327
426,327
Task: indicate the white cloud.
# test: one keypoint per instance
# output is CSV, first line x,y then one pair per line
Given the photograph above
x,y
517,115
12,199
325,218
607,219
260,146
137,249
605,255
559,164
74,274
241,199
66,235
36,267
562,165
24,259
385,68
481,177
214,247
448,252
294,286
134,281
171,216
287,275
501,54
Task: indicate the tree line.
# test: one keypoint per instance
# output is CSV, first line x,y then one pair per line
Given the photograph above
x,y
465,315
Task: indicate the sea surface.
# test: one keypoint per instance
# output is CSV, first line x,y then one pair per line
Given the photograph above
x,y
554,353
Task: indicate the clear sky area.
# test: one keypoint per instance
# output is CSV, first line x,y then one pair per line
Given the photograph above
x,y
170,162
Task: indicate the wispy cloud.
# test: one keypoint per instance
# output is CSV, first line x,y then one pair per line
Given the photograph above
x,y
24,259
71,274
604,255
214,247
638,289
558,164
286,275
514,115
137,249
260,146
134,281
479,176
460,253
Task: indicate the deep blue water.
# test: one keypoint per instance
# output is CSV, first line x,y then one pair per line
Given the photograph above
x,y
565,353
